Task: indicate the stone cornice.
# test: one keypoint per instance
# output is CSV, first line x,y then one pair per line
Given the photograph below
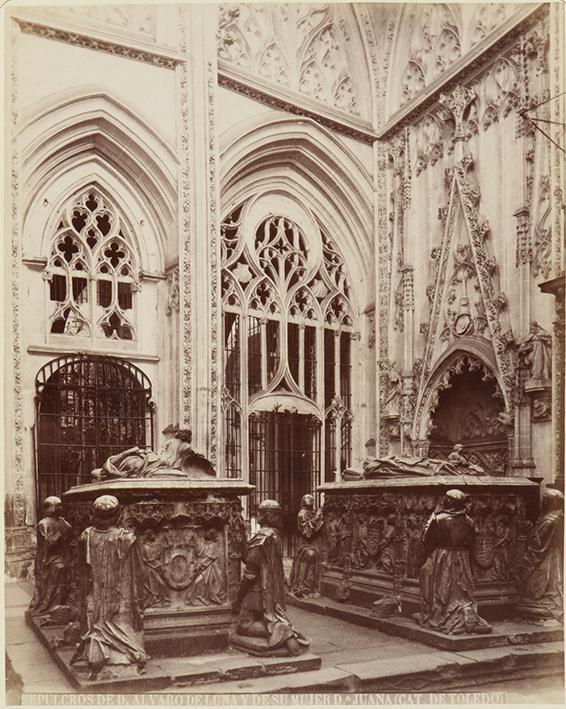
x,y
62,31
56,350
465,68
283,99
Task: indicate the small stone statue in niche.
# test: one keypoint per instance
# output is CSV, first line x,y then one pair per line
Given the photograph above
x,y
542,571
535,354
447,589
305,571
263,627
393,395
52,559
113,592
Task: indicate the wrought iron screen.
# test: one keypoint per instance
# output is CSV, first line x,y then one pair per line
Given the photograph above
x,y
88,408
284,464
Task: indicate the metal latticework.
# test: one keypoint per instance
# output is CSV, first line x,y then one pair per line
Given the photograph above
x,y
284,464
88,408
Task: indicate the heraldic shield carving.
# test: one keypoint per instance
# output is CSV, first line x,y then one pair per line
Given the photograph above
x,y
184,566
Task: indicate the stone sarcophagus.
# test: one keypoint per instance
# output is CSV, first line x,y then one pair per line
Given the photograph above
x,y
190,540
373,536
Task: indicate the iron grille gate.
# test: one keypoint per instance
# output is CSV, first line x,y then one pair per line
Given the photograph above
x,y
284,450
88,408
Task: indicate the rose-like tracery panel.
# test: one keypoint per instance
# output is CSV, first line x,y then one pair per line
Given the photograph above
x,y
91,271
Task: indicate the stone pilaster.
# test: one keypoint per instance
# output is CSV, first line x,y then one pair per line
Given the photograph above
x,y
199,248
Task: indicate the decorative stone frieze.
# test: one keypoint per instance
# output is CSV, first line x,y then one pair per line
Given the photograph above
x,y
373,534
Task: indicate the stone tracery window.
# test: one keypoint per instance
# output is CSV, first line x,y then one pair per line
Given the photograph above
x,y
288,326
91,271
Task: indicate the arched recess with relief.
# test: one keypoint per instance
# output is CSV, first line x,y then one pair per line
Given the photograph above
x,y
464,402
297,272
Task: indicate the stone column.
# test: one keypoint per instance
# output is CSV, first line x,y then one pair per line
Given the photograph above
x,y
199,248
555,286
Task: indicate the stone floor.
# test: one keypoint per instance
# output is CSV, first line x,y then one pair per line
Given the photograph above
x,y
354,659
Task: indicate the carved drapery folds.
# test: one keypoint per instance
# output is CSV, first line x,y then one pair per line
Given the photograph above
x,y
534,375
300,47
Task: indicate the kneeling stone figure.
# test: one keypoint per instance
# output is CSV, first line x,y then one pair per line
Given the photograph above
x,y
447,587
263,627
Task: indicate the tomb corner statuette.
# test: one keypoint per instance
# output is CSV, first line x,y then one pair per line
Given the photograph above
x,y
52,559
447,588
112,593
542,570
305,571
263,627
535,355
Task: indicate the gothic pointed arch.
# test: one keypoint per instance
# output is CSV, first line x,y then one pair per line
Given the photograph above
x,y
464,296
85,131
305,160
471,353
288,336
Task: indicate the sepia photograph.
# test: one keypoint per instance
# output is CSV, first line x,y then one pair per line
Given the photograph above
x,y
284,358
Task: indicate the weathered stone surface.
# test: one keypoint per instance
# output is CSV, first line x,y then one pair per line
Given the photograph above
x,y
170,672
190,538
263,627
373,536
506,632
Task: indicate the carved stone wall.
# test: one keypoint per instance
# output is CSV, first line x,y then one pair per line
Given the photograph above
x,y
373,535
431,39
191,540
417,130
475,167
309,49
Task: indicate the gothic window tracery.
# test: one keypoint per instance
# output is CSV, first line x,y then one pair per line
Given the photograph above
x,y
288,325
91,272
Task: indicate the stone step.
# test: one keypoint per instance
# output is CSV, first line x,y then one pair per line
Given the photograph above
x,y
167,672
505,632
440,672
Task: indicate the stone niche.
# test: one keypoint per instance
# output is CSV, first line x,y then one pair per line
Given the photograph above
x,y
191,539
373,530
